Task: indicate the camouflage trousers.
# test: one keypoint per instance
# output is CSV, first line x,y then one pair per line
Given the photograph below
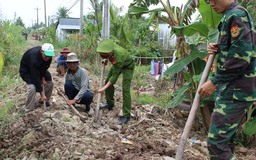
x,y
225,121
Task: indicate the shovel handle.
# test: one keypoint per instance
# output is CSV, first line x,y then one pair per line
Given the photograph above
x,y
99,94
72,107
193,110
44,99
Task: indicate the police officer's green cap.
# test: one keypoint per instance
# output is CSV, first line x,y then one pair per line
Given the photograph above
x,y
105,46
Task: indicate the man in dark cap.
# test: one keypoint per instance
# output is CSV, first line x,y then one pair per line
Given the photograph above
x,y
122,62
33,70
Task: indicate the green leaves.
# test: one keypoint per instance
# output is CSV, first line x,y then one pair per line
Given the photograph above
x,y
1,62
191,29
210,17
179,96
181,63
137,10
250,128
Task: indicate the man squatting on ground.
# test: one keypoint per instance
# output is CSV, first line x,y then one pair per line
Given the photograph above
x,y
62,65
33,70
76,84
234,80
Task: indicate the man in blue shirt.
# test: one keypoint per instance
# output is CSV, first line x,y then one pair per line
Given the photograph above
x,y
61,61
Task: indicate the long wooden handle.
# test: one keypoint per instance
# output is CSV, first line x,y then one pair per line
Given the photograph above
x,y
193,110
72,107
44,99
99,94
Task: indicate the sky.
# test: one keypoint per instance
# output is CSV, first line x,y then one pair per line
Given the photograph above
x,y
27,9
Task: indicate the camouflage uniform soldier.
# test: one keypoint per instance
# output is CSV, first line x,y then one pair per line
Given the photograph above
x,y
234,80
122,62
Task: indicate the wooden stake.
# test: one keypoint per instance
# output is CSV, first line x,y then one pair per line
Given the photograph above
x,y
193,110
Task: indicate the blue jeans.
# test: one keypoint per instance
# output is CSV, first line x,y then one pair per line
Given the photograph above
x,y
71,92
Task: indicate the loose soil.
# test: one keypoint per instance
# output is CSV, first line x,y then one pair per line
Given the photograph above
x,y
58,133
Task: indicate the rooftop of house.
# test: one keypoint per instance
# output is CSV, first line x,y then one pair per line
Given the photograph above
x,y
69,21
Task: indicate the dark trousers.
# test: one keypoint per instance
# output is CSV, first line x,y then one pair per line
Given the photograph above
x,y
71,92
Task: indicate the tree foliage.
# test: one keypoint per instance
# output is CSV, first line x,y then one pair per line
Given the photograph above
x,y
19,22
62,12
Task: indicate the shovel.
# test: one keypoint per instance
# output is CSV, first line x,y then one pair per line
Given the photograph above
x,y
99,94
193,110
82,118
44,99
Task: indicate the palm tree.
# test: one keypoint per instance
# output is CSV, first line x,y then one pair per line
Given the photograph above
x,y
62,12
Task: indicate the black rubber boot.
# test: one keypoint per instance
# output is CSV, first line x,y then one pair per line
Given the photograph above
x,y
123,120
107,106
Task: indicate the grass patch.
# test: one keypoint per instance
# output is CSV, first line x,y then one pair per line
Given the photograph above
x,y
8,79
140,75
147,99
5,118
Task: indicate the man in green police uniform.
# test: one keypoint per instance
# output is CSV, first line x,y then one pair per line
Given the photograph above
x,y
234,80
122,62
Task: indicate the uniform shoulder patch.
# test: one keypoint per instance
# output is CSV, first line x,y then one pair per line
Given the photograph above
x,y
235,32
112,59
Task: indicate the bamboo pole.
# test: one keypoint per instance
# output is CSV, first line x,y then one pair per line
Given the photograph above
x,y
193,110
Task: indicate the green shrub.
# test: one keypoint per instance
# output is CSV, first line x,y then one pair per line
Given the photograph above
x,y
12,42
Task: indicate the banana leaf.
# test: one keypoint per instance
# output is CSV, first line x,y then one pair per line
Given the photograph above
x,y
210,17
250,128
178,96
181,63
191,29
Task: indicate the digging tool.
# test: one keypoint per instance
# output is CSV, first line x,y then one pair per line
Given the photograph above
x,y
44,99
82,118
193,110
99,94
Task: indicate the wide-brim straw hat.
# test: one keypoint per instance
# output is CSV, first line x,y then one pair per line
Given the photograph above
x,y
72,57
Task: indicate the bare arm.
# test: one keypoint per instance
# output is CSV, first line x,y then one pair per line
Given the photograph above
x,y
104,87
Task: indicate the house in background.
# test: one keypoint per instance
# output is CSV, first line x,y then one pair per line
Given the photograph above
x,y
66,27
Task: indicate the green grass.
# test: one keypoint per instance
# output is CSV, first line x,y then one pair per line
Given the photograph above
x,y
5,118
147,99
8,79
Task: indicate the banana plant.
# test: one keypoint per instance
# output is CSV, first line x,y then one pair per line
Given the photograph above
x,y
119,27
179,19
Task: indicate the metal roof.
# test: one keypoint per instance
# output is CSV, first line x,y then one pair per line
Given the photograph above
x,y
69,21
